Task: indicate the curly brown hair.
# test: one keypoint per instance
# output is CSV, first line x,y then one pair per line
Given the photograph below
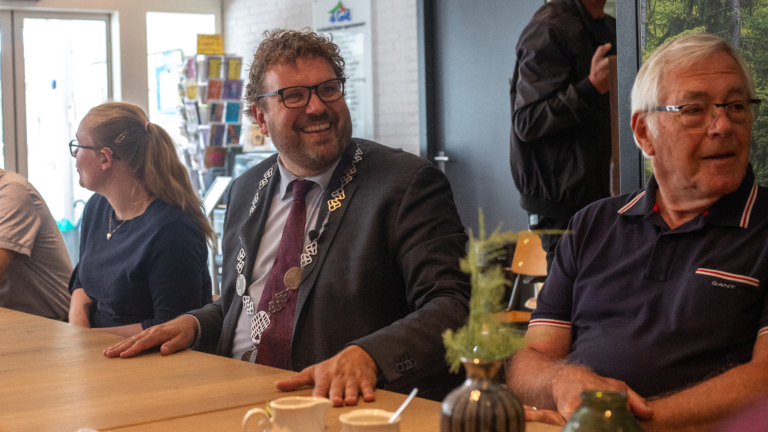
x,y
286,46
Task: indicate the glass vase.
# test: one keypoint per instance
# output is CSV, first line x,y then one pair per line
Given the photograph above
x,y
482,404
603,411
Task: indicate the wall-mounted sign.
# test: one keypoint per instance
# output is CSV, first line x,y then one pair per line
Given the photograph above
x,y
349,22
210,44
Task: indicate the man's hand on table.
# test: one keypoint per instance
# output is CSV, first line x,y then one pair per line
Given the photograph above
x,y
341,378
175,335
570,381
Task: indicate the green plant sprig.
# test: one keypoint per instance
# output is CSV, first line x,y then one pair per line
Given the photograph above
x,y
483,337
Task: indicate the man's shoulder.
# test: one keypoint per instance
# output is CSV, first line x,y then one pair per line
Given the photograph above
x,y
609,208
553,13
12,183
556,22
257,171
385,164
380,153
254,174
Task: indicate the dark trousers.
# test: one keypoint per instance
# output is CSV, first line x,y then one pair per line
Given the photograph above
x,y
548,241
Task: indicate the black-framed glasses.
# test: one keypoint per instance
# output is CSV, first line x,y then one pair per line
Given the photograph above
x,y
75,145
299,96
701,115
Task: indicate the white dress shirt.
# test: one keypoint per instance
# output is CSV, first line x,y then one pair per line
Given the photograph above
x,y
270,241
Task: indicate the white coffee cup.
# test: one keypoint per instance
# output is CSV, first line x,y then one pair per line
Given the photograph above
x,y
290,414
369,420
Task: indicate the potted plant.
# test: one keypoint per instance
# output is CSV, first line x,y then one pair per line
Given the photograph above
x,y
482,345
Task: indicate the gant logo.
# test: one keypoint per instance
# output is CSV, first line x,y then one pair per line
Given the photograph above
x,y
724,285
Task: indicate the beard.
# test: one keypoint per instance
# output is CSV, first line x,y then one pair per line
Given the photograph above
x,y
311,155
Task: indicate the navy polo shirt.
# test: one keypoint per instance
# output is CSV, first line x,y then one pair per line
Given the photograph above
x,y
659,308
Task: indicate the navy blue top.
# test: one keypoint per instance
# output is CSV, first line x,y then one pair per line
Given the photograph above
x,y
153,269
661,309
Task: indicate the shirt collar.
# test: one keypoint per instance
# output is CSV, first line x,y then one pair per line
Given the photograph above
x,y
733,209
286,177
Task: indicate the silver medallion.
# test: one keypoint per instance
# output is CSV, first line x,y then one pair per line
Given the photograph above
x,y
240,285
292,278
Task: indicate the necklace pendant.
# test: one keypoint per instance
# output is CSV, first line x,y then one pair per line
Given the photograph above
x,y
109,236
278,302
292,278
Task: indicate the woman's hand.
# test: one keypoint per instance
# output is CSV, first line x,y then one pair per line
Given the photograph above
x,y
80,308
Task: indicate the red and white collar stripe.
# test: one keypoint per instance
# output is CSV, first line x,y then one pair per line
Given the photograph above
x,y
549,322
748,208
763,331
631,203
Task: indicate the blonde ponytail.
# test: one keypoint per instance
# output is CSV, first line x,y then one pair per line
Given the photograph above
x,y
150,154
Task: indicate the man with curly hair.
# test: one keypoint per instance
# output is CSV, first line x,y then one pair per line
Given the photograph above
x,y
340,254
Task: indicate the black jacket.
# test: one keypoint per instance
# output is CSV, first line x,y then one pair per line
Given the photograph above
x,y
386,275
560,144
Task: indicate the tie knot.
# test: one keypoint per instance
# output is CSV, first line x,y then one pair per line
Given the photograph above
x,y
301,188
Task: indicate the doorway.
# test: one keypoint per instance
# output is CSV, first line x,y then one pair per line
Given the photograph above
x,y
55,67
469,56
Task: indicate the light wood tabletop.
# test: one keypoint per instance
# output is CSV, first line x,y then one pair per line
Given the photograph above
x,y
54,377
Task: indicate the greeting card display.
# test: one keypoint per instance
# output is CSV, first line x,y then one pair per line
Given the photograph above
x,y
233,134
193,113
216,112
217,135
213,67
233,112
233,89
215,157
215,88
232,67
190,69
190,90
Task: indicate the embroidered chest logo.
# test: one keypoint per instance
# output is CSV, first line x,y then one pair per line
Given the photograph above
x,y
724,285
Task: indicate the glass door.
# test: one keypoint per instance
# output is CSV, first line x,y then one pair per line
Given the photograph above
x,y
7,137
62,71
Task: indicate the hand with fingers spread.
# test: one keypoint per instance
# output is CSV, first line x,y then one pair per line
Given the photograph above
x,y
341,378
570,381
175,335
600,71
532,414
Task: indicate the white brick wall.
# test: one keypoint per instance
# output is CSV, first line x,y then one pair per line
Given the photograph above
x,y
395,63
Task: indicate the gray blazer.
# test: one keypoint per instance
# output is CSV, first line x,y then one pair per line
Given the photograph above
x,y
386,275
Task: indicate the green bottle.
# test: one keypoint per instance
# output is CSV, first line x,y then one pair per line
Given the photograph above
x,y
603,411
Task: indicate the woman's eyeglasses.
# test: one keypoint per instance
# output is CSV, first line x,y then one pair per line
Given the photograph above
x,y
74,145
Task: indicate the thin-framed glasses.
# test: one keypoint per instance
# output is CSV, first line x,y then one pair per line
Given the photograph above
x,y
75,145
701,115
298,96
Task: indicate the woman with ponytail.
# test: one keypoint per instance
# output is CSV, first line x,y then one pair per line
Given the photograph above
x,y
143,254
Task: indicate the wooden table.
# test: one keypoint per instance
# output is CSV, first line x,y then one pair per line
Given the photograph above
x,y
53,377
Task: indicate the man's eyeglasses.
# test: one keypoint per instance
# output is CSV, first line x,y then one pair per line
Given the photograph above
x,y
298,96
75,145
701,115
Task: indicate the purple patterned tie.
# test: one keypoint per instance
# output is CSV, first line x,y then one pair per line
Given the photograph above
x,y
275,346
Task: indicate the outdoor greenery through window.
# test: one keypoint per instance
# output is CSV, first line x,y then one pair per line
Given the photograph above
x,y
744,23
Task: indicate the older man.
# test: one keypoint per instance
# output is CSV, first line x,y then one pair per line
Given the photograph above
x,y
662,292
34,264
340,254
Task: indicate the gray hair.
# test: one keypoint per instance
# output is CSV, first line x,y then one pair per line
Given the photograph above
x,y
677,54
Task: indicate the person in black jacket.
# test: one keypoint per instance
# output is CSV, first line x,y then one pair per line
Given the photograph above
x,y
560,145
